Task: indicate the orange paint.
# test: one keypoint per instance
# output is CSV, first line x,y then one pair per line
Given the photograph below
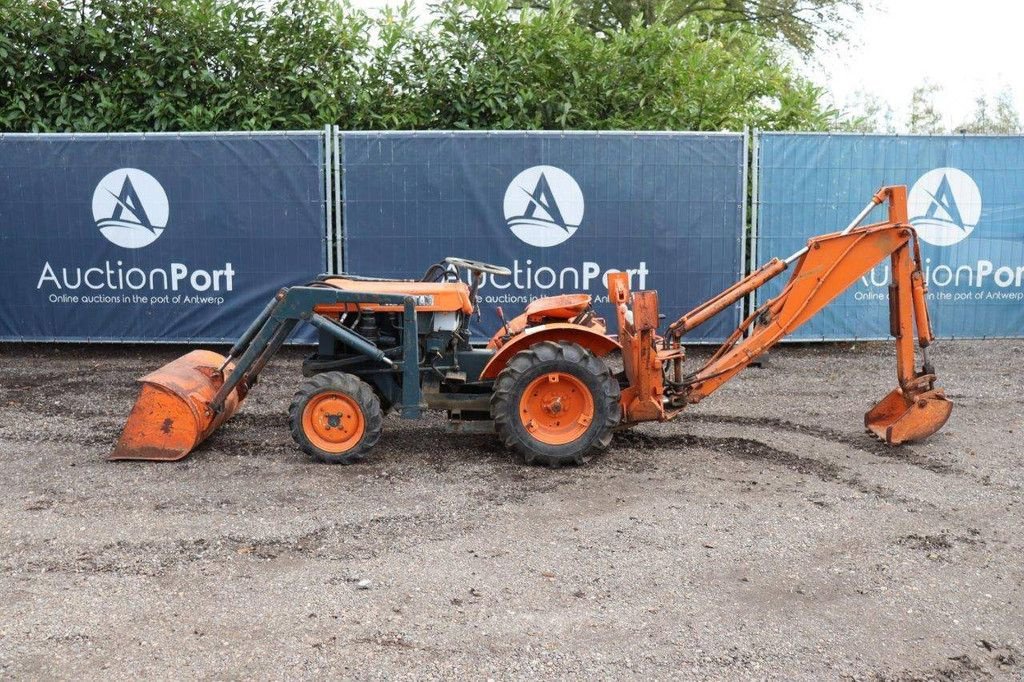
x,y
556,408
433,296
594,341
545,310
171,415
828,266
643,399
333,422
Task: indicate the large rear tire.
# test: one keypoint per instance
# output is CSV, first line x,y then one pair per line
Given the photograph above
x,y
336,418
555,404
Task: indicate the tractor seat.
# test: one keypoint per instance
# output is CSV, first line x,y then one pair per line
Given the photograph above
x,y
563,307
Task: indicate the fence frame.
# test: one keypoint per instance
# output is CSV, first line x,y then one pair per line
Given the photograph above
x,y
744,134
843,134
326,209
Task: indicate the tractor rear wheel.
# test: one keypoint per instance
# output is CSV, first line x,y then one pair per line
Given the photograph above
x,y
555,404
336,418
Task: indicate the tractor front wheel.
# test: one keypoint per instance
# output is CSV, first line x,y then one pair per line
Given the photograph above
x,y
555,404
336,418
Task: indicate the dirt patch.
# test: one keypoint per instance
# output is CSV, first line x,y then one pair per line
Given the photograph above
x,y
927,542
762,535
869,445
741,448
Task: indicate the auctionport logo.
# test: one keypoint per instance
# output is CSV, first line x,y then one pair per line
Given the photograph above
x,y
543,206
130,208
944,206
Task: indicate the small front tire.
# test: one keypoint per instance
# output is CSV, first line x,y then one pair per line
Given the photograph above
x,y
336,418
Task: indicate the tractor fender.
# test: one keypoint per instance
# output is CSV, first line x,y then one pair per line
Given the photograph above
x,y
597,343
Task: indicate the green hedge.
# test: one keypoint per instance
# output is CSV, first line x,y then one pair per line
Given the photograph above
x,y
131,65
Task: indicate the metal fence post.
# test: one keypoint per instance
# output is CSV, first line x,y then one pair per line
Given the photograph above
x,y
328,203
745,182
753,260
339,199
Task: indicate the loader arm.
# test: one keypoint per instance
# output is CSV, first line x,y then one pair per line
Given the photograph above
x,y
186,400
821,271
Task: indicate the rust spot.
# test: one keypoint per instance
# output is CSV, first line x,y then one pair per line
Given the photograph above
x,y
166,426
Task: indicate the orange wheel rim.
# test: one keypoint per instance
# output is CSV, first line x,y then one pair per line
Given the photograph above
x,y
333,422
556,408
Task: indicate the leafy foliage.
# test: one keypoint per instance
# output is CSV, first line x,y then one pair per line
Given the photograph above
x,y
998,117
924,117
101,65
867,114
992,115
802,24
106,65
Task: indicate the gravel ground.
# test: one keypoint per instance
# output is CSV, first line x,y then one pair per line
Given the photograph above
x,y
763,535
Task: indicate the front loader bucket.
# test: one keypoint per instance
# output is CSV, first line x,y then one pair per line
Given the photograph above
x,y
898,418
172,416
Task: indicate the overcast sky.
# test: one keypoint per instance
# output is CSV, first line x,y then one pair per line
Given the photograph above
x,y
968,48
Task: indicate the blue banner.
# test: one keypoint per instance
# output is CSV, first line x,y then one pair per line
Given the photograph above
x,y
561,210
966,201
155,237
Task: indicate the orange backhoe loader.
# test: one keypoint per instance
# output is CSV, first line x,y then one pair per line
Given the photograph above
x,y
542,383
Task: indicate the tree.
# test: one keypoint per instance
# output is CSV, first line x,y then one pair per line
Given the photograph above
x,y
542,70
110,65
1001,118
803,24
98,65
866,113
924,117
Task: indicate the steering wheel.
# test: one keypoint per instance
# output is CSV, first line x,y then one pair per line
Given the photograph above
x,y
477,266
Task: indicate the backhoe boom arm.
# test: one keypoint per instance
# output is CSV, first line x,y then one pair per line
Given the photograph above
x,y
821,271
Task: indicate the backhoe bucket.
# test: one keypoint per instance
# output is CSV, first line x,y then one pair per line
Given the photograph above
x,y
899,418
172,416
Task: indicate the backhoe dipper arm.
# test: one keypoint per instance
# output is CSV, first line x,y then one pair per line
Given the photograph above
x,y
826,267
